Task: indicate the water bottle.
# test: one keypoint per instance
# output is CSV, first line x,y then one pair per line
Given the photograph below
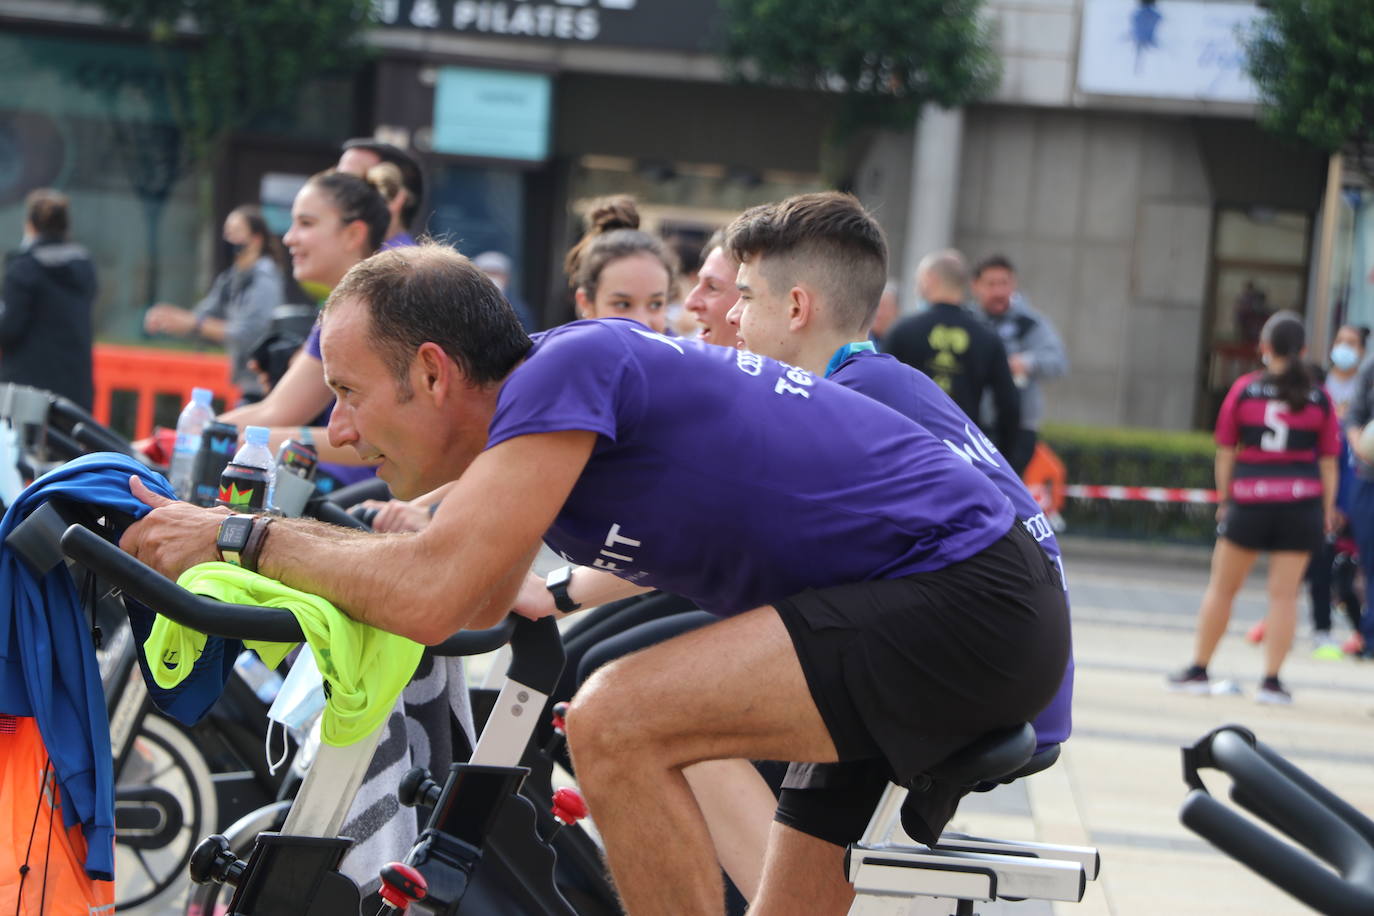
x,y
248,482
190,425
255,673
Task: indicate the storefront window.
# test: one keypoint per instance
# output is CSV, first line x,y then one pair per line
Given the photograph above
x,y
90,119
1259,266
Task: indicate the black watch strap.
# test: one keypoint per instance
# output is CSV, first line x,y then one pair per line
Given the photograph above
x,y
557,584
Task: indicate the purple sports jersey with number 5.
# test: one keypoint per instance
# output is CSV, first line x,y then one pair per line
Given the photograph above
x,y
734,480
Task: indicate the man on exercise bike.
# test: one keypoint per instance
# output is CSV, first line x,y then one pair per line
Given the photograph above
x,y
881,603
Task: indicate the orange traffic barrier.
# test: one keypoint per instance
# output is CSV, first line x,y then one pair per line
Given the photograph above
x,y
149,372
1046,478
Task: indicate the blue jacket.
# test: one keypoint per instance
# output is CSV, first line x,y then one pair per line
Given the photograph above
x,y
48,667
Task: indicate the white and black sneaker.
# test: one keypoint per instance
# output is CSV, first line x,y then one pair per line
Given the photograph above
x,y
1192,679
1273,692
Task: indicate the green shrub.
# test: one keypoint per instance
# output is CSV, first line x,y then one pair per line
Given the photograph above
x,y
1136,458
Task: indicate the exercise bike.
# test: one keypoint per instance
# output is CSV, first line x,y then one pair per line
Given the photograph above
x,y
1331,869
481,851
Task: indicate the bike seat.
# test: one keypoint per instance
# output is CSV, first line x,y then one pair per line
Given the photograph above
x,y
998,756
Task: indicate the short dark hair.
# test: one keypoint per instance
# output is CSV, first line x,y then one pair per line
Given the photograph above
x,y
828,234
429,293
357,198
412,176
46,209
993,262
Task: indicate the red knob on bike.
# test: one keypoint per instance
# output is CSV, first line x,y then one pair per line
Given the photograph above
x,y
402,885
568,806
560,713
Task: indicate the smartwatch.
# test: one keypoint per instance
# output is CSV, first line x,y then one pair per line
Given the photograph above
x,y
557,584
232,541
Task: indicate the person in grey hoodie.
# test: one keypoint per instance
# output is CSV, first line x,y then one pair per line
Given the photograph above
x,y
45,306
237,311
1034,349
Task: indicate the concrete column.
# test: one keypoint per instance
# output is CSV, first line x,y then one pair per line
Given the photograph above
x,y
935,160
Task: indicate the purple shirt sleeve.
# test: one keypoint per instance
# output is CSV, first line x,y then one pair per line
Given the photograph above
x,y
583,379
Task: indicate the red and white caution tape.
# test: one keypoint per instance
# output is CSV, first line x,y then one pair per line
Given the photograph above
x,y
1141,494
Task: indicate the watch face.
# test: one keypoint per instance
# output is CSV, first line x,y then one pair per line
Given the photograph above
x,y
234,531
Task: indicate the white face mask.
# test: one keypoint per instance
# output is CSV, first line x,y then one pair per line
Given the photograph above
x,y
1344,357
1264,358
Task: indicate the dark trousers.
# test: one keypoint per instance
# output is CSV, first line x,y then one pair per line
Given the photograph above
x,y
1362,521
1022,450
1327,571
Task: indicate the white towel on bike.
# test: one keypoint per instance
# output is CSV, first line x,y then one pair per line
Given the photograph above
x,y
419,732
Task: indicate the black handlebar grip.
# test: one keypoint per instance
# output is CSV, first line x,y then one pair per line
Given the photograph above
x,y
477,642
1277,791
365,515
214,618
334,514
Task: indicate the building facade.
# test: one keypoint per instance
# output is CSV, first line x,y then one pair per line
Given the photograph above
x,y
1119,165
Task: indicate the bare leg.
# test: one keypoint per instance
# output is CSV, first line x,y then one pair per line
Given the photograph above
x,y
1285,578
733,689
738,807
802,875
1230,566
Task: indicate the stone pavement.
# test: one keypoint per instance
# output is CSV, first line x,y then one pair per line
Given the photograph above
x,y
1118,785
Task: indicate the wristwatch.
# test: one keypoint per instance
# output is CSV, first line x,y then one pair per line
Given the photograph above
x,y
557,584
241,538
232,541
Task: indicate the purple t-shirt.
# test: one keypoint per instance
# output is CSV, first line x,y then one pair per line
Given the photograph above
x,y
911,392
734,480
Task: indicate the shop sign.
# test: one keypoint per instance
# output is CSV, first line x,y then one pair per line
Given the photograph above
x,y
1170,49
683,25
494,114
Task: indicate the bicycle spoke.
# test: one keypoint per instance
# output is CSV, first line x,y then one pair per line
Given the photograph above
x,y
147,869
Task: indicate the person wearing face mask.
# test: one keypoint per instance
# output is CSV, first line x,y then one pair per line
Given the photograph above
x,y
237,311
1333,564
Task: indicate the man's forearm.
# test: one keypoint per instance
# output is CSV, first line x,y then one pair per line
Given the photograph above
x,y
402,583
594,587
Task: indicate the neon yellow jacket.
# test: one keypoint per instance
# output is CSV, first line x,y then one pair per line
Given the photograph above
x,y
364,668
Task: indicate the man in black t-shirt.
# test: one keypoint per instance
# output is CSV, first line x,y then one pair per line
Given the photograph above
x,y
958,351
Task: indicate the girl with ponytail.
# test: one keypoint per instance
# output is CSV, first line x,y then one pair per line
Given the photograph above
x,y
617,271
1277,441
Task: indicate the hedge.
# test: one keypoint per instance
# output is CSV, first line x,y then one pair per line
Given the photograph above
x,y
1140,458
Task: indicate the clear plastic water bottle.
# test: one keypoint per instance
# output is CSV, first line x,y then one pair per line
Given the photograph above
x,y
190,425
255,673
254,453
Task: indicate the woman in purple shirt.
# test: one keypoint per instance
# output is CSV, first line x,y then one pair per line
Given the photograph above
x,y
337,220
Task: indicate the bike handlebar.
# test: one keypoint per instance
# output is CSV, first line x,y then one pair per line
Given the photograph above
x,y
1327,828
219,618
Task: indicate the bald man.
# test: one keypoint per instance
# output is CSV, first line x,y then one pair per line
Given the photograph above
x,y
956,349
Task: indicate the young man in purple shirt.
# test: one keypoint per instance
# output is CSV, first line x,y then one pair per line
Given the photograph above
x,y
850,591
793,253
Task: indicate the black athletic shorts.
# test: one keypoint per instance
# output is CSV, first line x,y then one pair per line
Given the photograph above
x,y
907,671
1298,526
